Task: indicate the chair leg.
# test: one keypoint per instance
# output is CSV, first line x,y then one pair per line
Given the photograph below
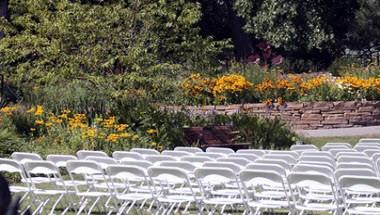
x,y
93,205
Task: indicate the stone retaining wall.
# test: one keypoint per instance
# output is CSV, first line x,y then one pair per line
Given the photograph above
x,y
302,115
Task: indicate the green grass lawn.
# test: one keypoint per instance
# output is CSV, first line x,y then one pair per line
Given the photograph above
x,y
320,141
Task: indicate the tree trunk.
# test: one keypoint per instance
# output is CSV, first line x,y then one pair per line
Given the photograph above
x,y
3,11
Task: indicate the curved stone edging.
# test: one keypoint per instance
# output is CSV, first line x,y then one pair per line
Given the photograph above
x,y
302,115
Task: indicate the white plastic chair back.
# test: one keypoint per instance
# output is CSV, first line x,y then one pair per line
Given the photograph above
x,y
140,163
295,155
318,154
282,163
168,176
335,151
369,140
354,172
102,161
84,167
209,176
354,166
25,156
249,157
342,146
184,165
144,151
375,157
304,147
351,154
354,159
10,166
371,152
317,159
158,158
287,158
122,155
39,168
339,144
176,154
189,149
360,193
220,150
126,173
362,148
211,155
60,160
218,164
267,167
82,154
196,160
256,152
239,161
318,163
313,169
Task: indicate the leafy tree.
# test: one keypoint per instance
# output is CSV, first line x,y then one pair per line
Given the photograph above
x,y
48,40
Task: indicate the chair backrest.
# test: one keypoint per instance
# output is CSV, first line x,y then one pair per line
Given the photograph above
x,y
366,147
196,160
249,157
318,163
84,173
287,158
220,150
82,154
60,160
176,154
211,155
267,167
168,175
263,179
39,168
11,166
309,180
188,149
84,167
331,146
295,155
218,164
375,157
256,152
318,153
144,151
239,161
335,151
371,152
304,147
159,158
25,156
317,159
369,140
184,165
282,163
354,172
340,165
122,155
140,163
207,176
313,169
360,185
354,159
339,144
125,172
102,161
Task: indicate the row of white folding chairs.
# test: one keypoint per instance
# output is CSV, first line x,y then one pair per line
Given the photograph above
x,y
174,180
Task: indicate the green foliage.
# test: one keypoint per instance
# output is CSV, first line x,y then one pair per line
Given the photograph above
x,y
9,139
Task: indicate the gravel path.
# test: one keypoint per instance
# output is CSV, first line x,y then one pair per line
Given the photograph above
x,y
340,132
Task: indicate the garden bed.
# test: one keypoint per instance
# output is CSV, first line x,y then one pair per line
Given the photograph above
x,y
301,115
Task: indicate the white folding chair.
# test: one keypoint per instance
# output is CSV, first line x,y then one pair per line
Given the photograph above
x,y
286,166
22,157
130,186
304,147
144,151
335,151
159,158
82,154
350,165
44,177
122,155
313,192
14,167
295,155
361,194
261,191
85,175
256,152
176,154
140,163
318,163
188,167
351,154
220,150
172,189
318,153
317,159
103,162
60,160
371,152
267,167
354,172
354,159
196,160
341,146
369,140
287,158
313,169
239,161
192,150
362,148
211,155
216,191
219,164
249,157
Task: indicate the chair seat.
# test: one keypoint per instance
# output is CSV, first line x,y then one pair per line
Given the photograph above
x,y
49,192
176,198
364,210
18,189
222,201
316,207
93,194
134,196
269,204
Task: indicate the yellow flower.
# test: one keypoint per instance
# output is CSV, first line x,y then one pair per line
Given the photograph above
x,y
48,124
7,110
124,135
112,137
39,122
151,131
31,110
230,84
135,137
39,110
109,123
89,133
121,127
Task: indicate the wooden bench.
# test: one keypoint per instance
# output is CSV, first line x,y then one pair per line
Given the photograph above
x,y
215,136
